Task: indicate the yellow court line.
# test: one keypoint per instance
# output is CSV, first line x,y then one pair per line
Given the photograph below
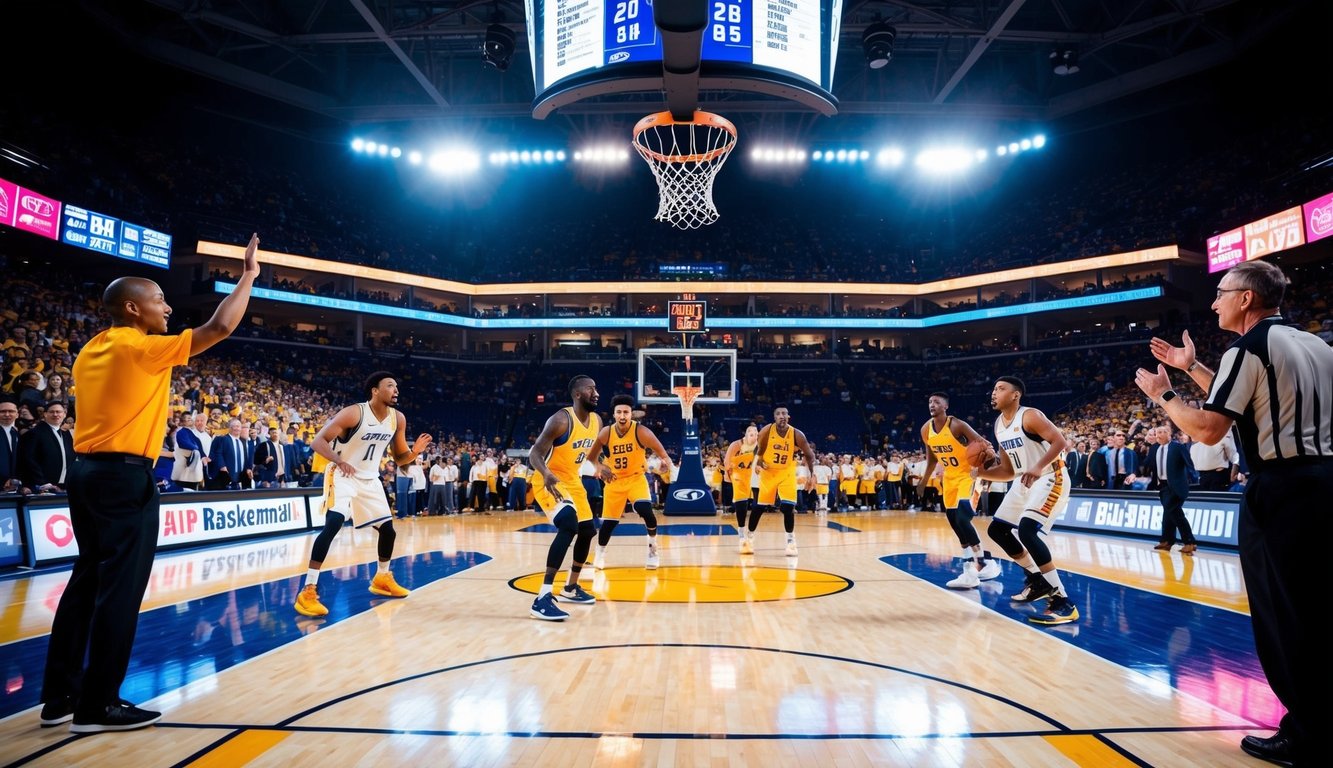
x,y
236,752
1088,751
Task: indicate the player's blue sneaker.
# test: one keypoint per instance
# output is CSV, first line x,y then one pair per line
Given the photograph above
x,y
544,608
577,595
1036,588
1060,610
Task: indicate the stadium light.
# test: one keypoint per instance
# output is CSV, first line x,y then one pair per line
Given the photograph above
x,y
358,144
1039,140
455,162
941,161
414,157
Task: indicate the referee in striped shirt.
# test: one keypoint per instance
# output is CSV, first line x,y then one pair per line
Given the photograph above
x,y
1275,383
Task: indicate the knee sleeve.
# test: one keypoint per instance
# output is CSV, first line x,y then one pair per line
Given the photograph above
x,y
566,525
387,536
788,516
961,520
645,510
583,542
1003,534
741,508
333,522
1029,533
756,512
604,533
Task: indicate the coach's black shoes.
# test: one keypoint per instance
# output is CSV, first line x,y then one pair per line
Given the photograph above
x,y
121,716
56,712
1275,749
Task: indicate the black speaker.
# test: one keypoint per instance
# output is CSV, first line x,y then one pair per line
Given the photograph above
x,y
498,49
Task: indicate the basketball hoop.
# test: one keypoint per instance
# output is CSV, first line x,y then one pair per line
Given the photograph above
x,y
685,157
687,396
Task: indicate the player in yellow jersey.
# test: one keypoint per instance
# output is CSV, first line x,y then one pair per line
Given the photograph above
x,y
625,470
739,463
354,443
556,458
946,439
778,444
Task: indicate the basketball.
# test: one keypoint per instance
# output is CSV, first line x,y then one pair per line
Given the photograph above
x,y
981,454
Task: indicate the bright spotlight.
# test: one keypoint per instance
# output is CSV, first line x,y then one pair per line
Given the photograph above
x,y
414,157
525,156
1039,140
1001,151
382,150
1013,147
842,155
560,155
981,155
549,155
943,160
455,162
818,155
1025,144
358,145
370,147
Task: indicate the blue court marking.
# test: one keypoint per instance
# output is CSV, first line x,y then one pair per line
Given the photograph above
x,y
178,644
843,528
638,529
1187,645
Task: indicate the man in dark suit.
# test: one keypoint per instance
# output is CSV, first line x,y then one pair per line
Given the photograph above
x,y
1170,463
46,453
274,461
1077,461
9,446
229,460
1120,462
1095,477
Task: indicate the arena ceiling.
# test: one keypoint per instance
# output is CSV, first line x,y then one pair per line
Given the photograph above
x,y
378,61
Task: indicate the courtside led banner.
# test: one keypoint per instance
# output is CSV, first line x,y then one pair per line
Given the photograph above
x,y
1226,250
230,517
28,210
1214,517
11,541
1318,215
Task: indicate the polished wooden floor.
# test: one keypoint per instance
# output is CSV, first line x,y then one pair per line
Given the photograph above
x,y
851,654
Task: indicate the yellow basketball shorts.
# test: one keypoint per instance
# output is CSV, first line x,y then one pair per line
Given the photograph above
x,y
622,491
571,491
777,486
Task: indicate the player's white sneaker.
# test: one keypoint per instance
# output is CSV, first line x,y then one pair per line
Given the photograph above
x,y
968,579
747,545
791,547
599,558
991,570
652,557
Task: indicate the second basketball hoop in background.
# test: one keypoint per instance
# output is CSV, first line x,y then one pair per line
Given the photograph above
x,y
685,157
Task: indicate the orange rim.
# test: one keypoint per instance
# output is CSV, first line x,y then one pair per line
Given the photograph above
x,y
664,119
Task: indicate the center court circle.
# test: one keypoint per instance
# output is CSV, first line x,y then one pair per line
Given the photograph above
x,y
699,584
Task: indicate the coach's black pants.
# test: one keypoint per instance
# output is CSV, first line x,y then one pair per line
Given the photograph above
x,y
1215,479
1283,514
1175,526
114,507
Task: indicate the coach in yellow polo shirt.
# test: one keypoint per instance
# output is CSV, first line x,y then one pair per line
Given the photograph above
x,y
124,376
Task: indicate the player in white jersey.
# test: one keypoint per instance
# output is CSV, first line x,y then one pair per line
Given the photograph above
x,y
355,443
1031,450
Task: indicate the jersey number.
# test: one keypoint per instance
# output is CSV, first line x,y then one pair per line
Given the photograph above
x,y
781,458
370,452
1014,458
622,462
950,461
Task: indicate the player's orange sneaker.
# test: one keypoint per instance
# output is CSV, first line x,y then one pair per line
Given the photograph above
x,y
384,585
308,604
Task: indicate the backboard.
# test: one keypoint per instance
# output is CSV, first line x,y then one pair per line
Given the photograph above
x,y
711,370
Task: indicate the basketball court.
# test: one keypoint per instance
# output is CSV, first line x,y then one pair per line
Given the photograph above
x,y
852,654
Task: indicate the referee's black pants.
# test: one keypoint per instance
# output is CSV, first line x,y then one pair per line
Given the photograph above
x,y
1283,514
114,508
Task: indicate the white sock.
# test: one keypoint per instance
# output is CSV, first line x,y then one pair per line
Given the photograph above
x,y
544,591
312,577
383,567
791,538
1053,578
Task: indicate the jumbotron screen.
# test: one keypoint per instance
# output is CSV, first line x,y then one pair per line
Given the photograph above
x,y
588,47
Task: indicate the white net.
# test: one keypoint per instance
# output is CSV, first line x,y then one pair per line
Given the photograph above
x,y
687,396
685,158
